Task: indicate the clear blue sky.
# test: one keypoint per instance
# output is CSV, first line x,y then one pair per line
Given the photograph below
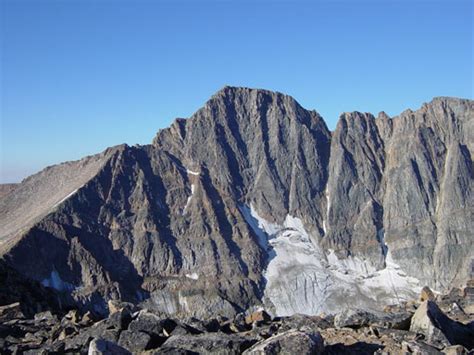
x,y
79,76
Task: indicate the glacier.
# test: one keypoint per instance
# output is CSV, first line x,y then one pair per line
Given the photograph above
x,y
301,278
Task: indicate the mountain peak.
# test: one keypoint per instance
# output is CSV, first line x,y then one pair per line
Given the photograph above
x,y
252,195
246,92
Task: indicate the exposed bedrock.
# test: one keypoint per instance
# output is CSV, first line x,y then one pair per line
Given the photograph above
x,y
253,201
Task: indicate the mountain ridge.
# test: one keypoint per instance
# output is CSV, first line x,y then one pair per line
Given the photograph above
x,y
198,221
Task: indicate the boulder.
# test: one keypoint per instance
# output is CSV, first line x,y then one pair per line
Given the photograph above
x,y
468,293
57,347
66,332
239,323
116,306
182,329
439,329
236,325
171,351
456,308
35,352
120,319
134,341
211,343
354,319
100,330
396,334
399,321
151,323
195,323
11,311
73,316
419,348
211,325
426,294
455,350
87,319
299,321
104,347
469,309
46,317
290,342
411,306
258,316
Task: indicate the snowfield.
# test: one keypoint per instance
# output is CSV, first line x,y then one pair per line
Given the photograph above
x,y
301,278
188,201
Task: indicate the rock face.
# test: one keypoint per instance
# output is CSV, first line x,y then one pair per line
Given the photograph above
x,y
5,189
254,201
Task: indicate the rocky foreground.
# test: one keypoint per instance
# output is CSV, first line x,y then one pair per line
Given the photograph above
x,y
430,325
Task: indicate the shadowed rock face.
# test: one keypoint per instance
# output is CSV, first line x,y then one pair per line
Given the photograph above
x,y
169,224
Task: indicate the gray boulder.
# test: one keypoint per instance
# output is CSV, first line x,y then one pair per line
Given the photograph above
x,y
354,319
304,342
419,348
300,321
134,341
105,347
439,329
211,343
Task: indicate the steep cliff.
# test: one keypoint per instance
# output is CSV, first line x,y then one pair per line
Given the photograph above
x,y
254,201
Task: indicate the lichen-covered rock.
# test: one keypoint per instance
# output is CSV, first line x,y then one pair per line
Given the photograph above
x,y
290,342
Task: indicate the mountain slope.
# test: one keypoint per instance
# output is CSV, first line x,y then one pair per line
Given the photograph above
x,y
254,201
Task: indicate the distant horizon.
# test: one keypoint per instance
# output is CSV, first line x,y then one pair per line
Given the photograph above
x,y
80,76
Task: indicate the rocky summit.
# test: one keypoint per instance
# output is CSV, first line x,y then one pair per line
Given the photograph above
x,y
251,203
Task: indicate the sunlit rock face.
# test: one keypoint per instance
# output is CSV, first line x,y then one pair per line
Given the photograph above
x,y
253,201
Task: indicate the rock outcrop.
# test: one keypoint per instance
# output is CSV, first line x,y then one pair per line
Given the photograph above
x,y
439,329
253,201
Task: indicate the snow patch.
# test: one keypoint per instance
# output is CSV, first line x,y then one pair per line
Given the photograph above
x,y
254,224
328,207
192,276
390,285
54,281
193,189
65,198
192,172
267,227
325,228
353,263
